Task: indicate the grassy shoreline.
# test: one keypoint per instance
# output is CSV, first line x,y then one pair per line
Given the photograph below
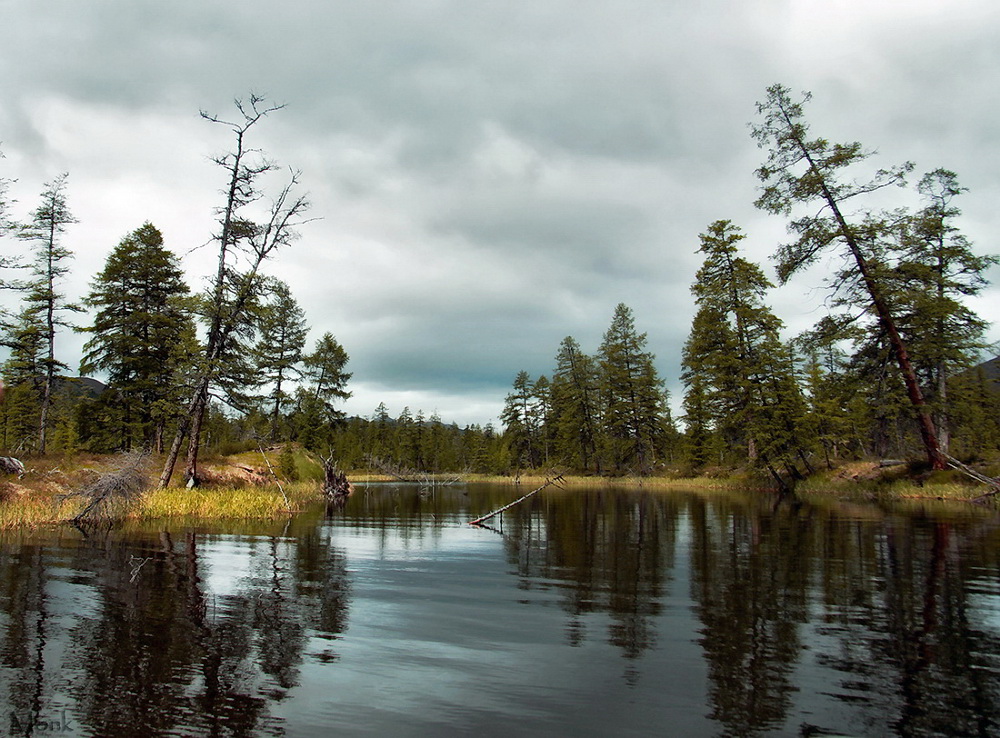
x,y
237,490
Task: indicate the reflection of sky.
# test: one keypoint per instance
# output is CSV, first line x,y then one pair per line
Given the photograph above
x,y
984,602
443,639
226,564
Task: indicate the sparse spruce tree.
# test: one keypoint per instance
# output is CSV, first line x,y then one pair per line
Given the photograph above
x,y
23,373
520,419
937,271
324,370
278,352
43,295
574,414
735,364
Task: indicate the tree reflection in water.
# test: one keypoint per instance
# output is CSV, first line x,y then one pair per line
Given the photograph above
x,y
804,618
147,648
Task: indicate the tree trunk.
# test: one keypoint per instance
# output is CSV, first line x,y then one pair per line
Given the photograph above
x,y
927,432
194,441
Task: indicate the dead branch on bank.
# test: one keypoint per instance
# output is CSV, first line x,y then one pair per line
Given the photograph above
x,y
557,481
993,484
406,474
10,465
277,479
111,495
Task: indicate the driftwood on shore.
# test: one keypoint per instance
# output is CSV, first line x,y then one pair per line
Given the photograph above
x,y
111,495
993,484
406,474
557,481
10,465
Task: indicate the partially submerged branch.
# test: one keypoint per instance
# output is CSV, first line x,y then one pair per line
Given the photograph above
x,y
557,481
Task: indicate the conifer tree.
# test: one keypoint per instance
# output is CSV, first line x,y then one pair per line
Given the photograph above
x,y
281,328
735,356
574,407
520,422
23,373
632,395
143,333
324,368
700,436
937,270
804,171
49,268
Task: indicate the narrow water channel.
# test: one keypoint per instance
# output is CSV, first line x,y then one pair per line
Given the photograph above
x,y
583,612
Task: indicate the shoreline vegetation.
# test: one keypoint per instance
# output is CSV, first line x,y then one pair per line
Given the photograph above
x,y
242,487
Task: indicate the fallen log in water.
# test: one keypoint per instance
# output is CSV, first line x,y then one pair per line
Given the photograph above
x,y
548,482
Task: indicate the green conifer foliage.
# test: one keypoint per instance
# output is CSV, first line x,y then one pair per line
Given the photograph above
x,y
574,411
632,396
739,375
281,328
937,270
43,294
520,419
800,171
143,334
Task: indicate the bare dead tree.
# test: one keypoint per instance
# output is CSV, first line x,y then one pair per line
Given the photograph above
x,y
244,246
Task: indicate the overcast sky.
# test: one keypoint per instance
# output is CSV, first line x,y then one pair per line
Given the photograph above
x,y
488,177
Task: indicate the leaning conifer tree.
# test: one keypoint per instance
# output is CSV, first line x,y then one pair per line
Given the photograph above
x,y
809,171
244,245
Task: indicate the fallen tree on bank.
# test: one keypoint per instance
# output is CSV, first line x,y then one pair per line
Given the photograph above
x,y
112,494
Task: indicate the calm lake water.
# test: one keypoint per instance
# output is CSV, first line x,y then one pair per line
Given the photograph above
x,y
590,612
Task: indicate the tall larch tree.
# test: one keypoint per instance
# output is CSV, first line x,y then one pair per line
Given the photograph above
x,y
574,414
281,329
809,172
735,352
938,270
43,296
520,419
325,371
